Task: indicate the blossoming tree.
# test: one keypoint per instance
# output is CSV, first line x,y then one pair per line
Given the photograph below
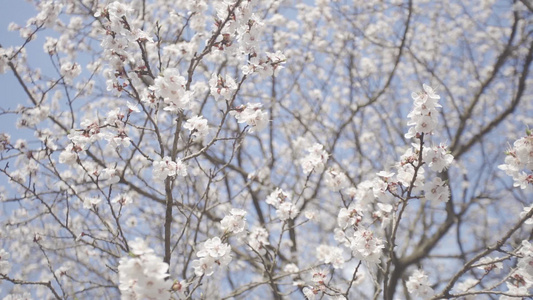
x,y
243,149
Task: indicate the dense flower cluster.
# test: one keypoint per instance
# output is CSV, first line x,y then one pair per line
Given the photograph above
x,y
336,180
330,255
316,160
142,275
222,89
171,87
172,74
5,266
167,167
252,115
366,246
350,216
235,222
437,158
418,285
285,209
258,240
213,252
197,126
424,115
518,158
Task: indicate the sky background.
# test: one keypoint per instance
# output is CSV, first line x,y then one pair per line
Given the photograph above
x,y
12,94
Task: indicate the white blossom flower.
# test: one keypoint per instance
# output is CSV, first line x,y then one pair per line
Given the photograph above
x,y
222,89
330,255
90,202
212,253
197,126
291,268
258,240
436,190
437,157
70,155
69,71
142,275
171,87
423,117
5,266
366,246
287,210
111,175
488,265
277,197
252,115
166,167
235,222
349,216
336,180
418,285
518,158
316,160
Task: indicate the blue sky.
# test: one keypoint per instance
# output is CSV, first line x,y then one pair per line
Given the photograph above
x,y
17,11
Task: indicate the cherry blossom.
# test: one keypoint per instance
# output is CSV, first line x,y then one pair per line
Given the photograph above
x,y
418,285
366,246
143,275
197,126
222,88
166,167
252,115
212,252
316,159
437,157
5,266
336,180
258,240
235,222
520,157
235,149
424,115
436,190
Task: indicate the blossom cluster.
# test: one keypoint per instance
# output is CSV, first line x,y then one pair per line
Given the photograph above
x,y
171,86
5,266
197,126
265,67
437,158
142,275
336,180
525,265
285,209
213,252
258,240
167,167
518,159
330,255
120,44
418,285
235,222
252,115
222,88
316,160
423,118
